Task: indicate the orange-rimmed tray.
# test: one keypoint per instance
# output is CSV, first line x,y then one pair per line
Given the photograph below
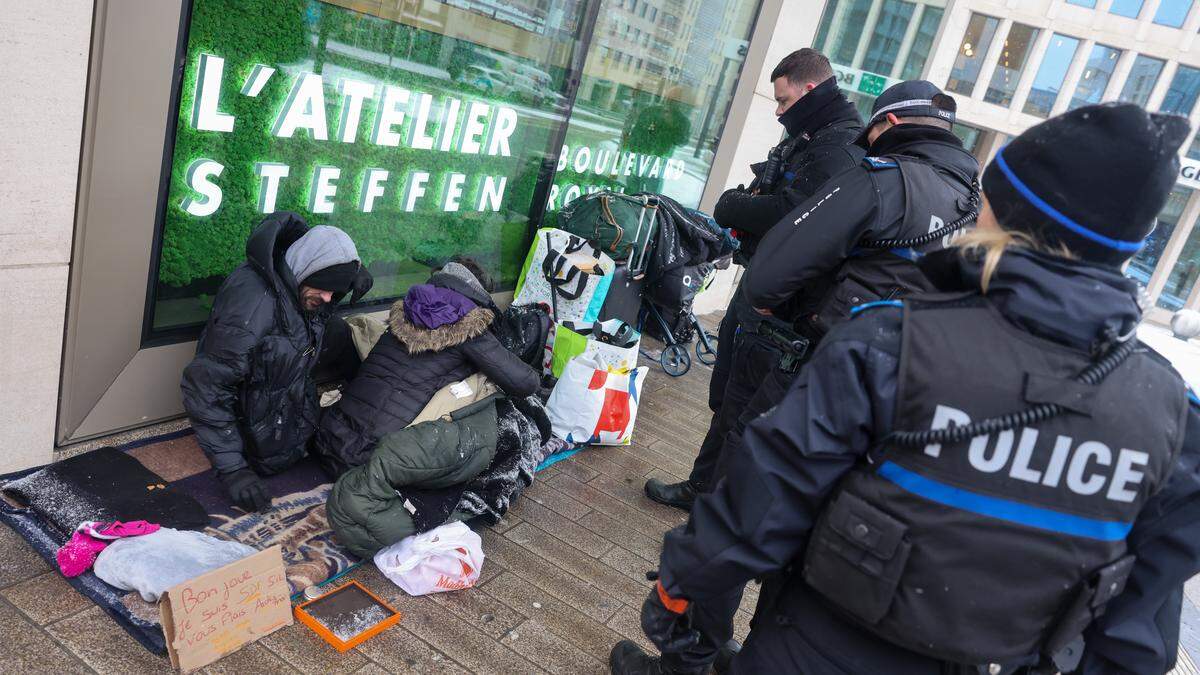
x,y
347,616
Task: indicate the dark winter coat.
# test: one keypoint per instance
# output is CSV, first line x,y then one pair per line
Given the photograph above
x,y
822,147
249,391
366,507
758,520
797,262
404,370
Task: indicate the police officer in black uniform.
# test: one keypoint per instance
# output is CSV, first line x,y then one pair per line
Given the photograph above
x,y
997,477
821,127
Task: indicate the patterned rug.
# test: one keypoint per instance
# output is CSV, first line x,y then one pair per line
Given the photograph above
x,y
296,522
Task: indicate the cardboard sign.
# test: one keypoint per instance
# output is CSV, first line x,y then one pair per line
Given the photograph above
x,y
219,612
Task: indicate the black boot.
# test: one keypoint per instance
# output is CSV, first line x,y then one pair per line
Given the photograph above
x,y
725,656
627,658
679,495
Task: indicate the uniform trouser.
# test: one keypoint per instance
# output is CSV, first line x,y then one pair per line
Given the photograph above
x,y
710,449
713,619
751,359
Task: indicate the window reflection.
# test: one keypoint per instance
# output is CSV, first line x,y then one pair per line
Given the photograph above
x,y
1181,95
1017,47
1051,73
1141,267
1172,12
1142,78
657,83
888,35
1096,74
1129,8
971,54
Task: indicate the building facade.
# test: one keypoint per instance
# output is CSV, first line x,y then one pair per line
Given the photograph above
x,y
139,155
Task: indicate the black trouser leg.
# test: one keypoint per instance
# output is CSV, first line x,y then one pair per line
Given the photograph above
x,y
713,619
725,346
774,386
748,362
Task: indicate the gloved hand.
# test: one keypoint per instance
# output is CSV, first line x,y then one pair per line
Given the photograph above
x,y
246,489
363,281
667,621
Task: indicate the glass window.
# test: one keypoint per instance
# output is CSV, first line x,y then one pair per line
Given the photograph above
x,y
423,129
1095,77
1142,78
1141,267
1090,4
971,53
1181,95
654,126
1017,47
1194,149
843,38
1172,12
1129,8
969,136
931,18
1183,275
1050,75
885,42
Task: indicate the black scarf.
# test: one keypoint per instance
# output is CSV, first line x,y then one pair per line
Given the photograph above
x,y
892,141
818,108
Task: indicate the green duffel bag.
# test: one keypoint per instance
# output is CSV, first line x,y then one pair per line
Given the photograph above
x,y
621,225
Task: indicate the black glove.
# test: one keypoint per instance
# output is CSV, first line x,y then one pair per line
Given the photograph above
x,y
245,489
669,628
363,281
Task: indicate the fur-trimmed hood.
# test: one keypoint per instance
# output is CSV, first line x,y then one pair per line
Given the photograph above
x,y
417,339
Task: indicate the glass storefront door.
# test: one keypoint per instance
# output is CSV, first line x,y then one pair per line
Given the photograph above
x,y
427,129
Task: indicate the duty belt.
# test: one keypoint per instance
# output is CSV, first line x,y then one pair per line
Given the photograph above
x,y
792,344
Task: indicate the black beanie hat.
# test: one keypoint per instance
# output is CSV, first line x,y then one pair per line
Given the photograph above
x,y
1092,179
336,278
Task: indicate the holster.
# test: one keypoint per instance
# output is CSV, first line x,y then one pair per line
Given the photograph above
x,y
1064,644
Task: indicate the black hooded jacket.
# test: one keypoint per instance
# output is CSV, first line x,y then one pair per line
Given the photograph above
x,y
797,259
758,520
819,145
249,392
402,373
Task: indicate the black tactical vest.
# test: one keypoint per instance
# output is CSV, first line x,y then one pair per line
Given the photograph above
x,y
932,199
1005,545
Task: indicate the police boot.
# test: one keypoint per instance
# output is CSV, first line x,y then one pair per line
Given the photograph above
x,y
627,658
679,495
725,655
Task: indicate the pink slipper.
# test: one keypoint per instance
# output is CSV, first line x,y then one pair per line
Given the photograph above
x,y
78,555
90,538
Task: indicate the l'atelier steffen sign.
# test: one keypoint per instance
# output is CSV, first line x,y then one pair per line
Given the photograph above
x,y
414,119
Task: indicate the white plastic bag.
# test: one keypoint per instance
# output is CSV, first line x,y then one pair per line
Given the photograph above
x,y
592,405
447,558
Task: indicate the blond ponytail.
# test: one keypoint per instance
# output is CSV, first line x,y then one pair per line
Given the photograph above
x,y
992,243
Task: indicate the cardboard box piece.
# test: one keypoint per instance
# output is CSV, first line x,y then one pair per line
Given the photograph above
x,y
220,612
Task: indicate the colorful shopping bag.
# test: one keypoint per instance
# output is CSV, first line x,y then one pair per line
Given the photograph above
x,y
593,405
614,343
566,274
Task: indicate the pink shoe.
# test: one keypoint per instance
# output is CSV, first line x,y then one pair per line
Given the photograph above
x,y
119,530
78,555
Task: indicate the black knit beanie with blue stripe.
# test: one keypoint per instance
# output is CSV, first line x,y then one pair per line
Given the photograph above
x,y
1093,179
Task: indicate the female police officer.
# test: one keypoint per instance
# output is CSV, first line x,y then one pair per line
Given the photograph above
x,y
974,480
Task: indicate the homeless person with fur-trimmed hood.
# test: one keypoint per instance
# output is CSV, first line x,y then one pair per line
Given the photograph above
x,y
250,391
436,336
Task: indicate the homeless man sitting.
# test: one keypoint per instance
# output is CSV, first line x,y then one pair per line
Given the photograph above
x,y
438,334
250,391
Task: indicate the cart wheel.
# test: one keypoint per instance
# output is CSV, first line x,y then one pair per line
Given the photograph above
x,y
707,353
675,360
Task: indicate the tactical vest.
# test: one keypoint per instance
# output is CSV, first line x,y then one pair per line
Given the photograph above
x,y
1009,544
932,199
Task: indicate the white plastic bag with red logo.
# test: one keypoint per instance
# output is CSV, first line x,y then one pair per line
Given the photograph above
x,y
593,405
447,558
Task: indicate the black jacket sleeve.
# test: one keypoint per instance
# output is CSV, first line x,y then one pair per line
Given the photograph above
x,y
212,380
760,515
501,366
1139,630
757,214
813,239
